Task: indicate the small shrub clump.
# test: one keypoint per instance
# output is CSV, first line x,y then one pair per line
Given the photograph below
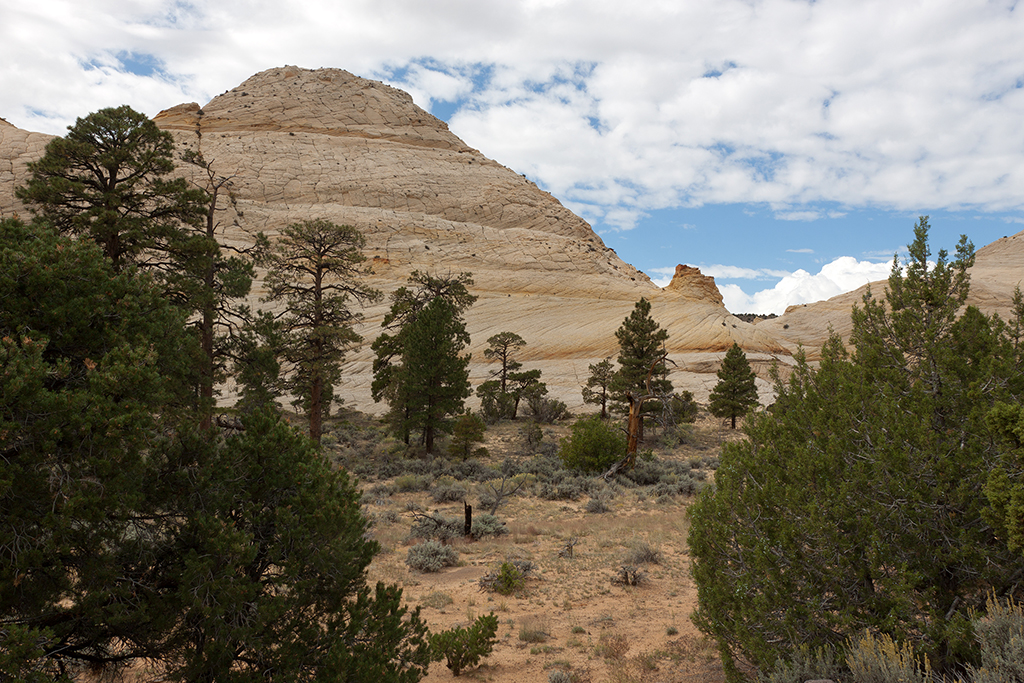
x,y
437,527
463,647
447,490
431,556
486,524
593,446
510,578
629,575
642,552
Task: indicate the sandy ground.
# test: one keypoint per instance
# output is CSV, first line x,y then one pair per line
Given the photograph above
x,y
571,616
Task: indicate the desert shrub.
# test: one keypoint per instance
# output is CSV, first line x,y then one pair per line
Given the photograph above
x,y
408,483
882,660
642,552
387,517
1001,636
629,575
378,494
485,524
593,446
447,490
567,489
547,410
559,676
463,647
683,487
545,468
821,664
612,646
431,556
510,578
645,473
438,527
472,470
596,506
437,600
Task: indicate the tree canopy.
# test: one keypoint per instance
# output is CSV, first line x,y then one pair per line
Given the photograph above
x,y
736,391
127,535
641,341
110,179
315,270
418,366
855,501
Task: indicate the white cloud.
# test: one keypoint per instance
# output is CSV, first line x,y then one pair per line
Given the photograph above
x,y
844,274
617,109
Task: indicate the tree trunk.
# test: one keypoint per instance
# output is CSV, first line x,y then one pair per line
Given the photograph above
x,y
315,414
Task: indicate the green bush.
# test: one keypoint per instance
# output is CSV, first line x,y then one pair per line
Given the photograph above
x,y
509,579
463,647
593,446
431,556
407,483
468,430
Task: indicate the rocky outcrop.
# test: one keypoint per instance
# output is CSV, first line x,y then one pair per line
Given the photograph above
x,y
323,143
998,269
690,284
17,148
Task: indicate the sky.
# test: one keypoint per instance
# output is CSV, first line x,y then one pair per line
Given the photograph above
x,y
784,147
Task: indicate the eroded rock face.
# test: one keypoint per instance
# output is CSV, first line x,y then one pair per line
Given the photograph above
x,y
998,269
323,143
17,148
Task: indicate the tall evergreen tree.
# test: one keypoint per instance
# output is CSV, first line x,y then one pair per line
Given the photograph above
x,y
418,368
128,537
736,391
854,503
109,179
315,269
641,343
94,367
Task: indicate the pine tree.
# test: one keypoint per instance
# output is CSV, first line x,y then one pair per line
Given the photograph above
x,y
109,179
501,347
500,398
854,503
641,344
315,269
417,367
435,377
596,390
736,391
130,537
94,367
